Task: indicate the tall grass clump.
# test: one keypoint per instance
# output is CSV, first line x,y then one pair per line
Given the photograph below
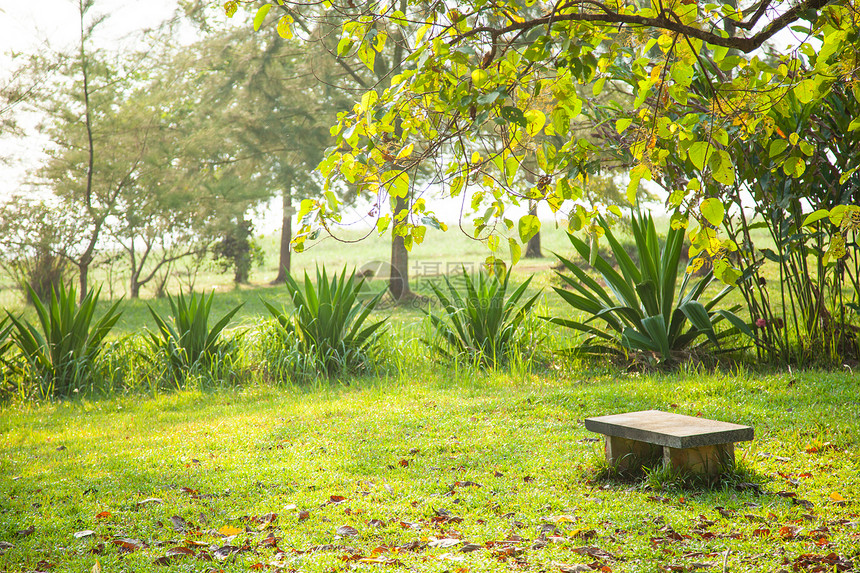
x,y
185,343
59,353
328,332
482,324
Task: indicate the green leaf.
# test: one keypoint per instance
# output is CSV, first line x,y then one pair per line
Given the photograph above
x,y
815,216
794,167
285,30
261,15
777,146
516,250
700,153
713,210
514,115
722,167
622,124
805,91
529,226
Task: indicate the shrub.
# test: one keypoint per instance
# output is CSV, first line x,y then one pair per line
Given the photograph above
x,y
485,325
61,351
327,325
185,340
640,310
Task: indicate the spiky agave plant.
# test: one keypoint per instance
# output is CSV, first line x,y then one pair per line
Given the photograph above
x,y
485,324
185,339
61,350
329,319
639,309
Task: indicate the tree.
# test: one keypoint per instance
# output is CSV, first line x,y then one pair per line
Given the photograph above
x,y
483,66
84,168
277,101
365,68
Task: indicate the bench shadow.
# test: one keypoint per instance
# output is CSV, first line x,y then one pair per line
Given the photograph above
x,y
734,477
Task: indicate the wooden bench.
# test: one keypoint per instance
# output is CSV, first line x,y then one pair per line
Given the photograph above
x,y
685,443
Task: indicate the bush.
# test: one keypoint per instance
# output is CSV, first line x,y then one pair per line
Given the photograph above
x,y
327,328
485,325
61,351
642,312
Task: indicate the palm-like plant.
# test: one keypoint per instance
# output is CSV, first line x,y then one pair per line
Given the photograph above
x,y
329,320
485,324
185,338
639,308
61,350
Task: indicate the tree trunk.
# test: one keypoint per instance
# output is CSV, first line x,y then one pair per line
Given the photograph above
x,y
134,285
286,235
84,271
533,247
398,281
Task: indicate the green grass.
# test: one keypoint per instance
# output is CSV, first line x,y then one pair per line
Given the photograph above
x,y
402,449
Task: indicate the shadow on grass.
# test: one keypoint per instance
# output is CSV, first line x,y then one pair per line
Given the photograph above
x,y
735,477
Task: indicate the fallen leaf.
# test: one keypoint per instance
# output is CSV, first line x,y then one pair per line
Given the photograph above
x,y
303,515
25,532
180,552
222,553
403,463
178,523
445,542
575,568
335,499
128,544
837,499
103,515
150,500
470,547
347,531
376,523
229,531
5,546
84,533
789,531
97,567
596,553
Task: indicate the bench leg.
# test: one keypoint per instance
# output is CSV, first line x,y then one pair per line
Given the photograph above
x,y
706,460
630,455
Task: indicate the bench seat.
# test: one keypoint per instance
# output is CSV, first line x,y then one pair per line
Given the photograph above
x,y
686,443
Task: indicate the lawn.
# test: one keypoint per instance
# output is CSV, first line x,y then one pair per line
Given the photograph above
x,y
429,469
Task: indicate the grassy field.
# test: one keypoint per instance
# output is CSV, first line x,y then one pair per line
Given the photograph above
x,y
429,469
421,465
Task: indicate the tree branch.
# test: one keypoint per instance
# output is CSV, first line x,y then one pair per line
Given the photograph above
x,y
663,22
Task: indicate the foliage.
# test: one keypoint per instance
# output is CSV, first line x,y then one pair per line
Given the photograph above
x,y
805,317
185,340
328,321
640,309
490,87
34,237
60,352
485,325
237,251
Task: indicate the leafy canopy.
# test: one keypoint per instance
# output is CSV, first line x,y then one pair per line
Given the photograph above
x,y
495,86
